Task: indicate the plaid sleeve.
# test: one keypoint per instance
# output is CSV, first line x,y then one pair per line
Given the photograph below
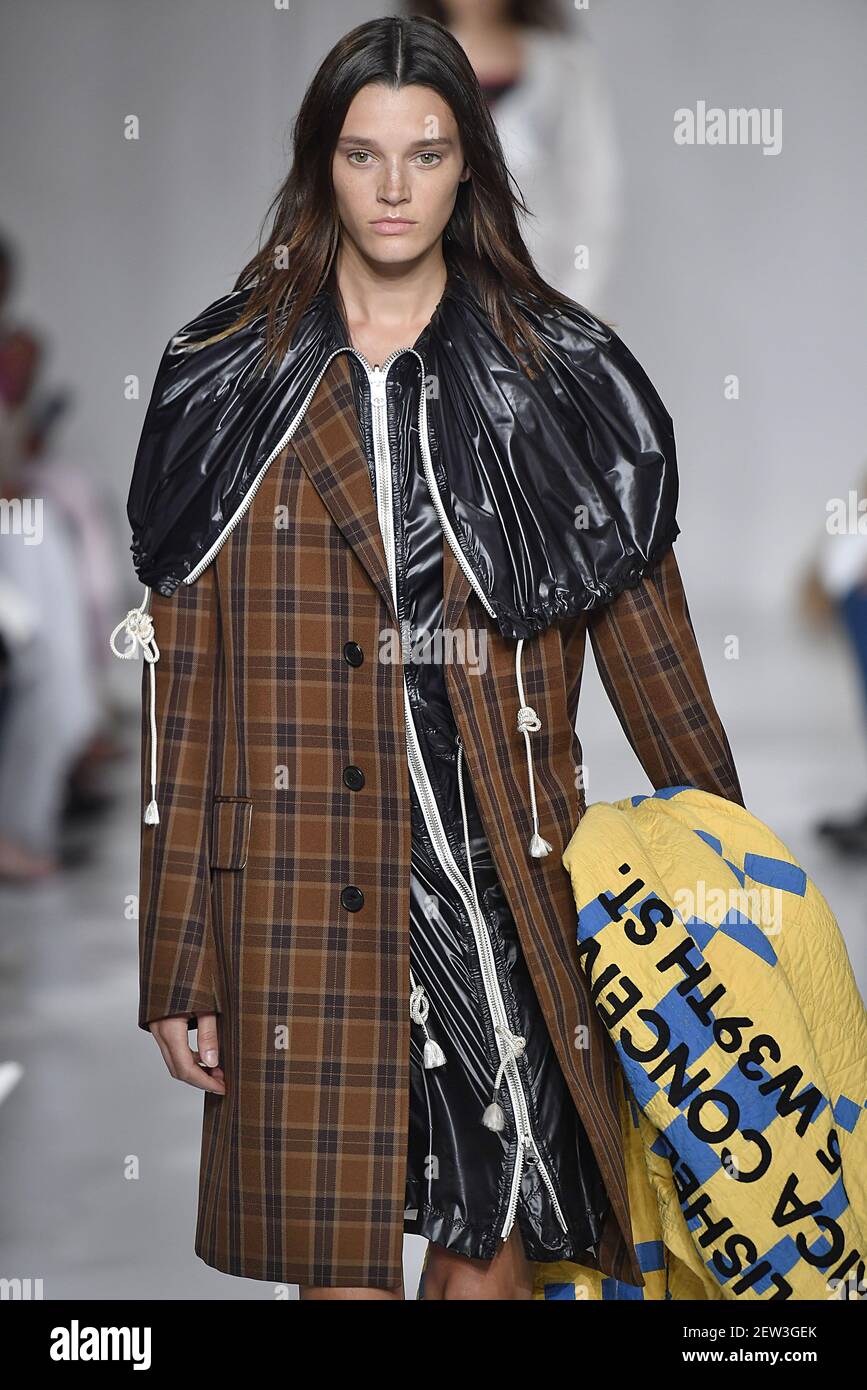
x,y
176,963
648,659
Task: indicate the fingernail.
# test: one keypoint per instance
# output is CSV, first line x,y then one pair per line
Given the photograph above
x,y
210,1058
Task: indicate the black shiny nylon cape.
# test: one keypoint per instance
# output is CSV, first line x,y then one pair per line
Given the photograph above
x,y
561,490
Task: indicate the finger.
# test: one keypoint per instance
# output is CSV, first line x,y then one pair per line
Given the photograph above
x,y
172,1035
211,1071
217,1072
207,1040
157,1035
186,1067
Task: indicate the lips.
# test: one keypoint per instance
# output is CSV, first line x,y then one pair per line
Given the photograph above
x,y
390,226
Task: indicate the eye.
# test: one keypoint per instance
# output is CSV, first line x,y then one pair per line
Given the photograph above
x,y
431,154
366,153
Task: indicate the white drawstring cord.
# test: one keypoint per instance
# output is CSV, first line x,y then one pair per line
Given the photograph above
x,y
419,1008
492,1116
139,628
529,722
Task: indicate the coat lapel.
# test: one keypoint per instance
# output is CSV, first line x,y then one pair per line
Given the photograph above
x,y
330,451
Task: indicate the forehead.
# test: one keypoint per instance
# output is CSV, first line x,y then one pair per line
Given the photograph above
x,y
412,111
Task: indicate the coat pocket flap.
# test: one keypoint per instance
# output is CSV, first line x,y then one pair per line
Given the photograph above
x,y
230,832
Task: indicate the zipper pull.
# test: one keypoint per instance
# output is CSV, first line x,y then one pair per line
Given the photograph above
x,y
377,386
530,1151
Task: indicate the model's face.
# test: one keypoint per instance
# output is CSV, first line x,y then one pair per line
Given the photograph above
x,y
397,168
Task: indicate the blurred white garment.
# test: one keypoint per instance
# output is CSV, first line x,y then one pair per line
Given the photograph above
x,y
83,506
51,707
842,562
559,137
842,556
18,618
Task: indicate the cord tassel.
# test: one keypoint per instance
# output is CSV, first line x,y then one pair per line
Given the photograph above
x,y
139,628
493,1118
433,1054
419,1008
529,722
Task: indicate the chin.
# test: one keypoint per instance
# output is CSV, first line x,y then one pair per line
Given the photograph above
x,y
389,255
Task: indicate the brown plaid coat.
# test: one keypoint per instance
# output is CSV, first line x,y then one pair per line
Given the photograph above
x,y
258,710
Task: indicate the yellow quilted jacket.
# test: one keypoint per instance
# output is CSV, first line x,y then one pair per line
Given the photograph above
x,y
725,985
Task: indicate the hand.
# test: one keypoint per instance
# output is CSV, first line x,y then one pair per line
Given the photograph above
x,y
186,1063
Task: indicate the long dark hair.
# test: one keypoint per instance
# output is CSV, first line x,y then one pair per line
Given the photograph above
x,y
481,240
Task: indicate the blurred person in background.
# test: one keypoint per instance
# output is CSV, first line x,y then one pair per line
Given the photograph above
x,y
835,592
50,703
17,618
546,89
17,626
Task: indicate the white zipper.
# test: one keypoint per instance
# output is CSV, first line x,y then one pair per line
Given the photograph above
x,y
527,1148
384,507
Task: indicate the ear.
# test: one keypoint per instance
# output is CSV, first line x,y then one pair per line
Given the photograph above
x,y
465,174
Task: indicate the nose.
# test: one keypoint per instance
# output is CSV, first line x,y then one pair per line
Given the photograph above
x,y
393,188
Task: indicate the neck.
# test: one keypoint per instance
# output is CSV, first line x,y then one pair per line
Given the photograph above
x,y
395,298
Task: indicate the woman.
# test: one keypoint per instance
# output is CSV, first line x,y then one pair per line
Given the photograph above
x,y
382,488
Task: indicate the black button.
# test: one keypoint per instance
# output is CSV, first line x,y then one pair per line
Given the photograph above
x,y
352,898
353,653
353,777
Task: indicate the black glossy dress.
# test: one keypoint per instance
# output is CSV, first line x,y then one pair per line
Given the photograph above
x,y
470,996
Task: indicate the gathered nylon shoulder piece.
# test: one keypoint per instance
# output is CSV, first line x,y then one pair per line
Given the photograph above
x,y
561,490
211,420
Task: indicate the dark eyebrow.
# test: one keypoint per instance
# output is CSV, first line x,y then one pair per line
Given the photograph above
x,y
416,144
